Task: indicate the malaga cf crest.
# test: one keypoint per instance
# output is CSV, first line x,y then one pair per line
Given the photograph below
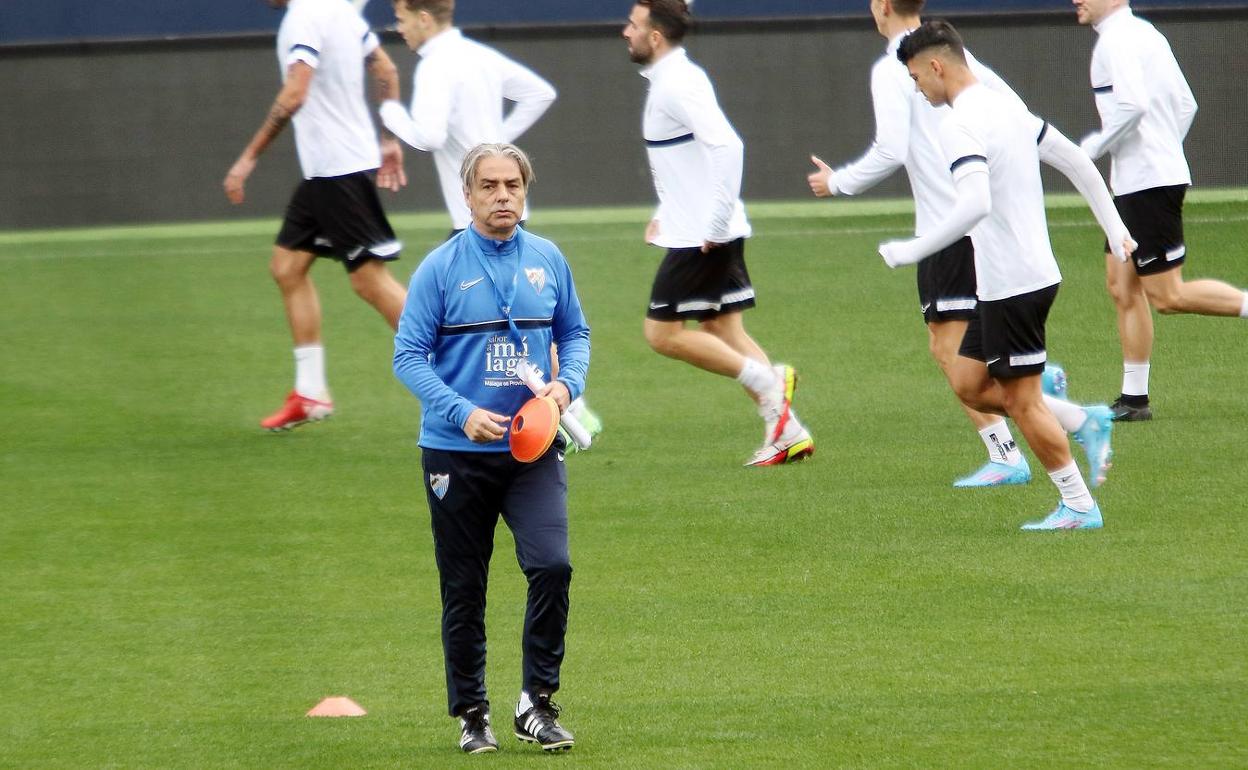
x,y
537,278
439,482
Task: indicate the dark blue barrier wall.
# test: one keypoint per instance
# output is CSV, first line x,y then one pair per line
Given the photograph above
x,y
25,21
107,133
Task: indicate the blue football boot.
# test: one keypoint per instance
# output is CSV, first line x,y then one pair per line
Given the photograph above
x,y
1067,518
1094,436
994,474
1053,381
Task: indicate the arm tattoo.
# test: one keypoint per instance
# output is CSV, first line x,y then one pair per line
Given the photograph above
x,y
277,119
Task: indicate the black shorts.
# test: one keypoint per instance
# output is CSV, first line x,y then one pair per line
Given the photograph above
x,y
696,286
1154,217
339,217
1008,334
946,282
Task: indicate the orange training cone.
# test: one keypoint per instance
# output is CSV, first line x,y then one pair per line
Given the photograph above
x,y
533,429
337,707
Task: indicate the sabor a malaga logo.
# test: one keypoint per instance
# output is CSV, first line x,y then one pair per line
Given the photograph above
x,y
501,359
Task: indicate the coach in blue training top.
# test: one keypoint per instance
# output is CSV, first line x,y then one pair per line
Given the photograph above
x,y
478,304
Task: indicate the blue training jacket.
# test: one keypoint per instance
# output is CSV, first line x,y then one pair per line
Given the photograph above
x,y
455,348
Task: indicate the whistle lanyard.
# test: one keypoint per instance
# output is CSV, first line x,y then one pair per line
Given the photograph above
x,y
504,291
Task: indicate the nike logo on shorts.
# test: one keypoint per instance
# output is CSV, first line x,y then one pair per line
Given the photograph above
x,y
466,285
993,361
1143,262
657,305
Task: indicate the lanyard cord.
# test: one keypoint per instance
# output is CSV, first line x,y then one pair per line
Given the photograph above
x,y
504,291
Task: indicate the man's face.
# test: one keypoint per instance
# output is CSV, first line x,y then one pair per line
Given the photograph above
x,y
497,195
410,25
1092,11
926,71
637,32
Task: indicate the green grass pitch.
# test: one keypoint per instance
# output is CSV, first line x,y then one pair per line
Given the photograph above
x,y
177,588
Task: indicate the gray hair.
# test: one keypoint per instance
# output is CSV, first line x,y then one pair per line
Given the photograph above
x,y
468,171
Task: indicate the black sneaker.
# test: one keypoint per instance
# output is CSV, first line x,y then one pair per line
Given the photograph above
x,y
1131,411
475,735
540,725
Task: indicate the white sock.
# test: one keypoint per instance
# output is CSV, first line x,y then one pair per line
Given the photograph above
x,y
1069,482
1243,309
1135,378
576,406
756,377
1000,444
310,371
1071,416
792,429
524,704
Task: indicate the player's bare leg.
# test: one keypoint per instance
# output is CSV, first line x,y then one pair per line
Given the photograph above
x,y
1169,293
943,340
1023,401
375,284
1006,464
1025,404
772,390
693,346
309,400
290,270
1135,335
730,328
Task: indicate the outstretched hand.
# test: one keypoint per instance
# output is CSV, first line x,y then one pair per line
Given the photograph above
x,y
820,180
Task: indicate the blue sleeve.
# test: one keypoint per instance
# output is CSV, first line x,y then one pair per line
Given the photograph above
x,y
570,331
414,343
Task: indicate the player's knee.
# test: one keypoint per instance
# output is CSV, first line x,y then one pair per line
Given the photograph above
x,y
966,392
1118,292
286,273
1166,302
965,387
1012,403
940,354
660,339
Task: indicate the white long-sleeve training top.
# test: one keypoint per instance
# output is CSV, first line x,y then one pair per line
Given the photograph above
x,y
696,156
907,132
996,146
1145,104
457,103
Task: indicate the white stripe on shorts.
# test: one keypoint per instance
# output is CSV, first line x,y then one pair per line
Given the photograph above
x,y
1029,359
740,295
943,305
387,249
